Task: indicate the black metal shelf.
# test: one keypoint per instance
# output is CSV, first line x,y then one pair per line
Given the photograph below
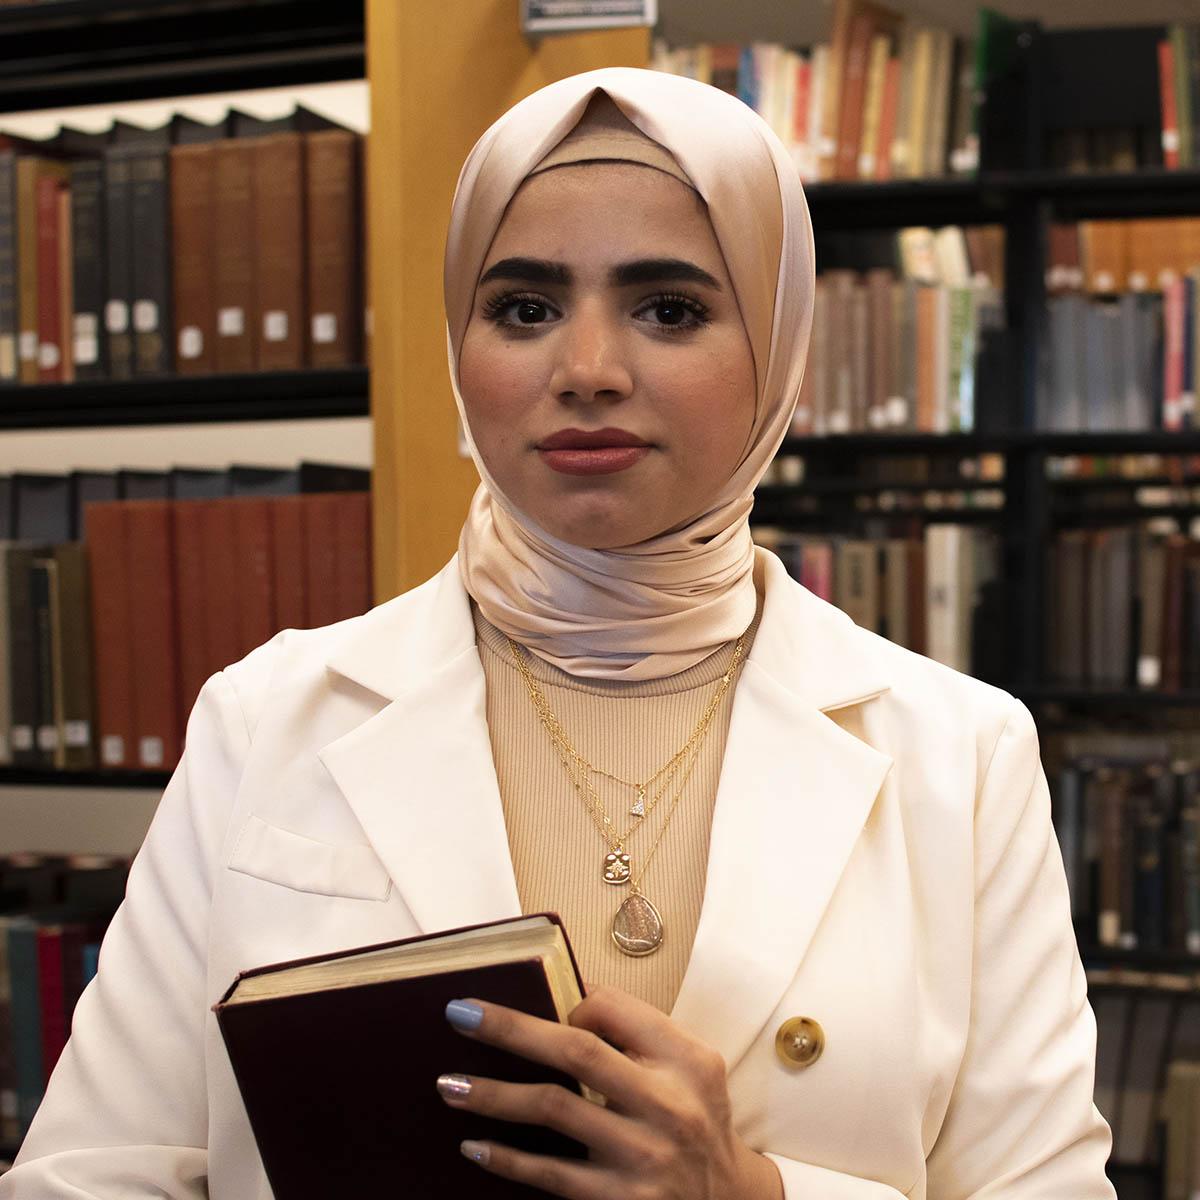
x,y
1147,441
51,777
265,396
1151,961
102,51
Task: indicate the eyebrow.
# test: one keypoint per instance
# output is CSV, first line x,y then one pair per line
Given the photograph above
x,y
642,270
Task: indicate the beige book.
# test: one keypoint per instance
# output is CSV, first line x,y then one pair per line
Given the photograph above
x,y
856,573
941,71
895,589
919,111
881,46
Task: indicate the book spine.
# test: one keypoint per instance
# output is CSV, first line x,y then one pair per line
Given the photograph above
x,y
854,90
118,244
112,632
222,583
49,300
321,559
195,662
353,514
50,994
8,267
193,237
27,268
22,660
151,215
152,621
66,282
234,258
87,241
288,562
72,634
334,254
256,600
279,225
1170,115
26,1019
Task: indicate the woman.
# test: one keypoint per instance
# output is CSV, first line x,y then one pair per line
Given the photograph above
x,y
846,972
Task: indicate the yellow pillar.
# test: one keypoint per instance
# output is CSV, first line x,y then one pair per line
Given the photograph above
x,y
438,78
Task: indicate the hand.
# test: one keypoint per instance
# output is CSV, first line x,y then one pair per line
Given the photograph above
x,y
666,1132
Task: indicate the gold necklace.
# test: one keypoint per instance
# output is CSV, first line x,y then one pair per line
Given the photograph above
x,y
637,926
554,728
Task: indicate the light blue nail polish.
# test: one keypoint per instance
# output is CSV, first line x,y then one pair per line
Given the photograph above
x,y
462,1014
478,1152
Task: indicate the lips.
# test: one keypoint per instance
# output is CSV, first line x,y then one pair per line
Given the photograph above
x,y
599,452
600,439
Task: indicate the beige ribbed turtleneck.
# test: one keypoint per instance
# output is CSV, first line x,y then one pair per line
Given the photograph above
x,y
630,729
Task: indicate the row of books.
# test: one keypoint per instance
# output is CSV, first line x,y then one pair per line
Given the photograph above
x,y
186,249
899,347
937,594
1109,257
792,469
885,98
105,643
54,910
1172,468
1128,823
1124,607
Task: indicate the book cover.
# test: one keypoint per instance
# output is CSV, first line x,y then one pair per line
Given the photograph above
x,y
112,632
194,238
279,241
336,1113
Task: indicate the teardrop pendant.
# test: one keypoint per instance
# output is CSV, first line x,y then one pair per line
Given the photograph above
x,y
637,927
639,805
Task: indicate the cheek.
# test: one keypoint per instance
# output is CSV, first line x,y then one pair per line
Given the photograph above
x,y
496,383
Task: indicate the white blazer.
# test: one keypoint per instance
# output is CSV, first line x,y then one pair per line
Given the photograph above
x,y
882,861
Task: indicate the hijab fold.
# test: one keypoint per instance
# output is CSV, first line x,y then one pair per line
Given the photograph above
x,y
662,605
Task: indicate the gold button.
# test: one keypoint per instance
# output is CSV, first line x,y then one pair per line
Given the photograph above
x,y
799,1041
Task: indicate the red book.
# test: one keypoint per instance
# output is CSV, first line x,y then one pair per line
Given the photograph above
x,y
222,586
49,291
887,120
112,654
1175,320
74,936
801,102
1170,112
854,90
195,661
288,562
816,569
256,601
50,995
321,559
353,553
155,641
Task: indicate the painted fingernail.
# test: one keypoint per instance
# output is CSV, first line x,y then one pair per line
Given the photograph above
x,y
454,1087
478,1152
462,1014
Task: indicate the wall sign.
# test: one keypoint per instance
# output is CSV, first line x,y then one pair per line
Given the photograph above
x,y
570,16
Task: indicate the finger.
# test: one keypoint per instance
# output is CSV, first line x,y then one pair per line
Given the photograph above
x,y
558,1176
577,1052
610,1137
644,1033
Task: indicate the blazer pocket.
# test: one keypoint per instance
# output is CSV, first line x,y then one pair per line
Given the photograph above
x,y
279,856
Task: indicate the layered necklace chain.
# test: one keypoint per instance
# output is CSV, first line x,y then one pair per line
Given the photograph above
x,y
637,927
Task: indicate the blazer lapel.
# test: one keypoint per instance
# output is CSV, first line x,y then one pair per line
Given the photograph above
x,y
794,794
419,774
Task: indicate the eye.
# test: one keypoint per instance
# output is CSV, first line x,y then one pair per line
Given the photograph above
x,y
518,310
674,313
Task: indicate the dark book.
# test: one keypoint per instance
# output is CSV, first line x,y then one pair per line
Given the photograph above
x,y
234,256
22,653
263,481
72,658
90,487
331,477
7,508
150,213
43,584
198,483
44,509
118,262
88,345
335,1114
1191,634
143,484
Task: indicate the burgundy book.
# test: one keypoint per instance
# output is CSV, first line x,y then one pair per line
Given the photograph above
x,y
337,1064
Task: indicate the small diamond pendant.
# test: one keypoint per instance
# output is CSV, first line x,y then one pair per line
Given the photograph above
x,y
639,805
616,867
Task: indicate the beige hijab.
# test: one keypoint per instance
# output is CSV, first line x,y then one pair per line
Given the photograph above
x,y
658,607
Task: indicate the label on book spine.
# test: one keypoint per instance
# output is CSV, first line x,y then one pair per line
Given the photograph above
x,y
150,751
231,322
324,328
86,343
77,734
28,345
8,356
112,750
145,316
47,738
275,326
22,737
49,356
191,341
116,316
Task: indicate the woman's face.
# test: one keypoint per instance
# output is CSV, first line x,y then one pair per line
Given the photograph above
x,y
605,370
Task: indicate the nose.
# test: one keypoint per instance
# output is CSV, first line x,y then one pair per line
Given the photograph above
x,y
590,366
